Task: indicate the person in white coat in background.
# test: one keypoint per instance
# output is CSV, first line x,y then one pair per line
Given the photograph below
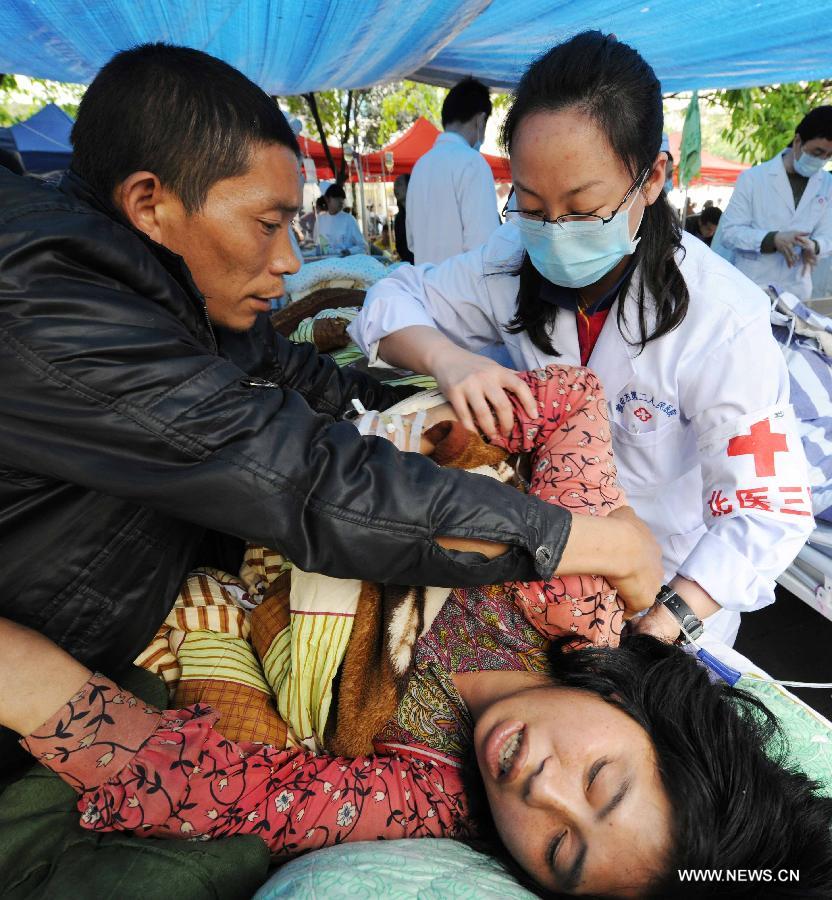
x,y
592,269
451,198
335,230
779,220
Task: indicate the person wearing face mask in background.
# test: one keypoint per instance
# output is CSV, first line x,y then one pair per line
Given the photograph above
x,y
451,199
779,220
592,268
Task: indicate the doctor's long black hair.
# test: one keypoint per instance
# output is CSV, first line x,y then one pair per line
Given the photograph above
x,y
619,91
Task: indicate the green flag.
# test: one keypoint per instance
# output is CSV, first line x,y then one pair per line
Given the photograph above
x,y
690,152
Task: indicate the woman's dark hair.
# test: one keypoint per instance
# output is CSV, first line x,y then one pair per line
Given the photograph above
x,y
737,801
336,192
817,123
710,215
612,84
188,117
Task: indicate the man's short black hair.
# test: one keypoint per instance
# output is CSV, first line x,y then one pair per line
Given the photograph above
x,y
817,123
336,192
464,101
710,215
188,117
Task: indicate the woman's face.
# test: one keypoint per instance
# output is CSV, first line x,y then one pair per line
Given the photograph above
x,y
562,164
574,790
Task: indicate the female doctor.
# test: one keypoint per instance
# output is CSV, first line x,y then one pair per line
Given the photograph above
x,y
591,269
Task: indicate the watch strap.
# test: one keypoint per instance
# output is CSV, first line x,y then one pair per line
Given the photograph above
x,y
690,624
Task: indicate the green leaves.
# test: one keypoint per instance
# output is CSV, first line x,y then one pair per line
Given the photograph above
x,y
376,114
21,97
763,119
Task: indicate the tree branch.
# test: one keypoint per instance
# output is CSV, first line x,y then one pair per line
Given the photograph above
x,y
345,136
316,115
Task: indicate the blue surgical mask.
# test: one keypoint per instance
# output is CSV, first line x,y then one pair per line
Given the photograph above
x,y
576,254
807,165
668,186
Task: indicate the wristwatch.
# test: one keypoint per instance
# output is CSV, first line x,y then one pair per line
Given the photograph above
x,y
690,624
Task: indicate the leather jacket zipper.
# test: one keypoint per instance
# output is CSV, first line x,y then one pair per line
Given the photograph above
x,y
210,327
259,383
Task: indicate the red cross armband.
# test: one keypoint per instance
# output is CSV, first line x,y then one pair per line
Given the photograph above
x,y
755,465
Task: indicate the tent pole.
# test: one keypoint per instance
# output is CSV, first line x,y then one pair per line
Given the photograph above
x,y
359,163
387,214
685,208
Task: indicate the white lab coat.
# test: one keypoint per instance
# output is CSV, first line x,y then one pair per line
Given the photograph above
x,y
341,232
674,407
451,201
762,202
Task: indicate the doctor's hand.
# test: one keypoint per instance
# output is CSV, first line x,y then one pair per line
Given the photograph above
x,y
810,256
478,388
662,624
787,243
656,621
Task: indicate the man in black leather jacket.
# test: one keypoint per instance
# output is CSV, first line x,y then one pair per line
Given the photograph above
x,y
145,398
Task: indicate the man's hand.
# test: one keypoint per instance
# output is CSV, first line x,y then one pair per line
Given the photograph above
x,y
786,242
622,549
642,578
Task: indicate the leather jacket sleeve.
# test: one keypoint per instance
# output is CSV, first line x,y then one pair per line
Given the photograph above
x,y
317,378
186,432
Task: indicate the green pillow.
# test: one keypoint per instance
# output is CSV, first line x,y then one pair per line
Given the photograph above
x,y
427,869
809,733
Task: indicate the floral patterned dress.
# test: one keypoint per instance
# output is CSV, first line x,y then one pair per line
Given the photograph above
x,y
171,773
570,446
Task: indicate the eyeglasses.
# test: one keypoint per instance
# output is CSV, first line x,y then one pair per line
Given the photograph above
x,y
591,219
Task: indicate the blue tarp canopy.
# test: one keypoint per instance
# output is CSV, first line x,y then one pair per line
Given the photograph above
x,y
293,46
43,140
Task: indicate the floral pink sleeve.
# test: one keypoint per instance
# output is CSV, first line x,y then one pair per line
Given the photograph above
x,y
172,774
573,467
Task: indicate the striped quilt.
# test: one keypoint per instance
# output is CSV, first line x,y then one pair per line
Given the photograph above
x,y
805,337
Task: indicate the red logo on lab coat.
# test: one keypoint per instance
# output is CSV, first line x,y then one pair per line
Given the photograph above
x,y
762,444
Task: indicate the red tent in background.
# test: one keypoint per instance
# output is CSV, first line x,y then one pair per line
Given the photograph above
x,y
406,149
715,170
315,150
415,142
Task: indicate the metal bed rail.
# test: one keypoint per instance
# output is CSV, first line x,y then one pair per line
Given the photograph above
x,y
809,577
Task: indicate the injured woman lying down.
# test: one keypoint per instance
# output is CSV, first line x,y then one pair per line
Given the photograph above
x,y
596,769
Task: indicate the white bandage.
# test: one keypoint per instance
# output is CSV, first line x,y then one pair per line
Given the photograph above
x,y
366,422
416,431
390,426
